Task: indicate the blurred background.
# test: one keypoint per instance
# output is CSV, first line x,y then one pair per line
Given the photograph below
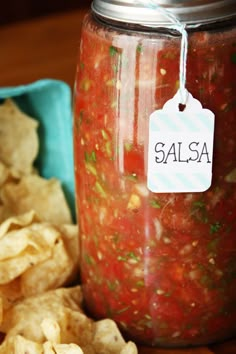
x,y
18,10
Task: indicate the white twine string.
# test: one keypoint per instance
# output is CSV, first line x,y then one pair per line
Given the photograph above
x,y
181,28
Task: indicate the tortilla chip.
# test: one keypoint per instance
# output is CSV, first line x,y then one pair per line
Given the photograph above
x,y
107,337
15,223
55,318
67,349
33,192
61,305
51,330
10,293
24,248
23,346
70,236
43,256
48,348
129,348
58,270
19,141
39,250
4,172
20,345
1,310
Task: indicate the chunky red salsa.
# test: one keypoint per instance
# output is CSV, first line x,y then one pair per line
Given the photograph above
x,y
163,266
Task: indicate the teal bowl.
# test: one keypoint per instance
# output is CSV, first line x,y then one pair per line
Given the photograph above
x,y
50,102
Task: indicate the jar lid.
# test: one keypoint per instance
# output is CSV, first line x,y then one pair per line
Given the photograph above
x,y
187,11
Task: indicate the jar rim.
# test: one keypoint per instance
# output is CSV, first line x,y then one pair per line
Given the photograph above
x,y
136,12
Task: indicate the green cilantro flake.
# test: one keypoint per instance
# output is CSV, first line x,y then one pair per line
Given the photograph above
x,y
139,48
199,211
100,190
140,283
108,148
199,204
155,204
133,256
104,134
233,58
122,310
90,168
121,258
90,157
215,227
115,68
112,285
89,259
113,51
128,147
132,177
213,245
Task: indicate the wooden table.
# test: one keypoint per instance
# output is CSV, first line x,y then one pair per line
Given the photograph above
x,y
43,48
47,48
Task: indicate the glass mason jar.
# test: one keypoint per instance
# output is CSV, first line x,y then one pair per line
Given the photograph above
x,y
162,265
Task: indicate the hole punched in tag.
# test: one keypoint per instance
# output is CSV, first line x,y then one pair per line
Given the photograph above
x,y
182,107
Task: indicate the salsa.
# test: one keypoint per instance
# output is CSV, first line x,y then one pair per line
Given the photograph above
x,y
163,266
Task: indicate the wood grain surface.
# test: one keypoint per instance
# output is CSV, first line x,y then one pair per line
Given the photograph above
x,y
15,10
42,48
47,48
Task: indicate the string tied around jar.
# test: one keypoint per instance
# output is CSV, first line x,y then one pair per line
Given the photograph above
x,y
181,28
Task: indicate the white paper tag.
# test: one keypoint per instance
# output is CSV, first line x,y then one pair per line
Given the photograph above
x,y
180,149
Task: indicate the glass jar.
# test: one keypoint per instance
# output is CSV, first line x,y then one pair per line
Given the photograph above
x,y
162,265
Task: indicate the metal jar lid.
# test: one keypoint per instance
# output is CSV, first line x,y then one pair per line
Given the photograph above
x,y
191,12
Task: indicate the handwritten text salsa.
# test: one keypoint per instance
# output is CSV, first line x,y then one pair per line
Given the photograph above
x,y
162,265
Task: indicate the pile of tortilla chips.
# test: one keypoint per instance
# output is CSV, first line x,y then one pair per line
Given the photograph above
x,y
39,312
53,322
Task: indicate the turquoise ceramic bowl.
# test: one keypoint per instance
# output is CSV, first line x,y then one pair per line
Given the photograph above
x,y
49,101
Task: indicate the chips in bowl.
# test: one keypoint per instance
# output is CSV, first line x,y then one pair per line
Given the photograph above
x,y
40,311
19,140
56,321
